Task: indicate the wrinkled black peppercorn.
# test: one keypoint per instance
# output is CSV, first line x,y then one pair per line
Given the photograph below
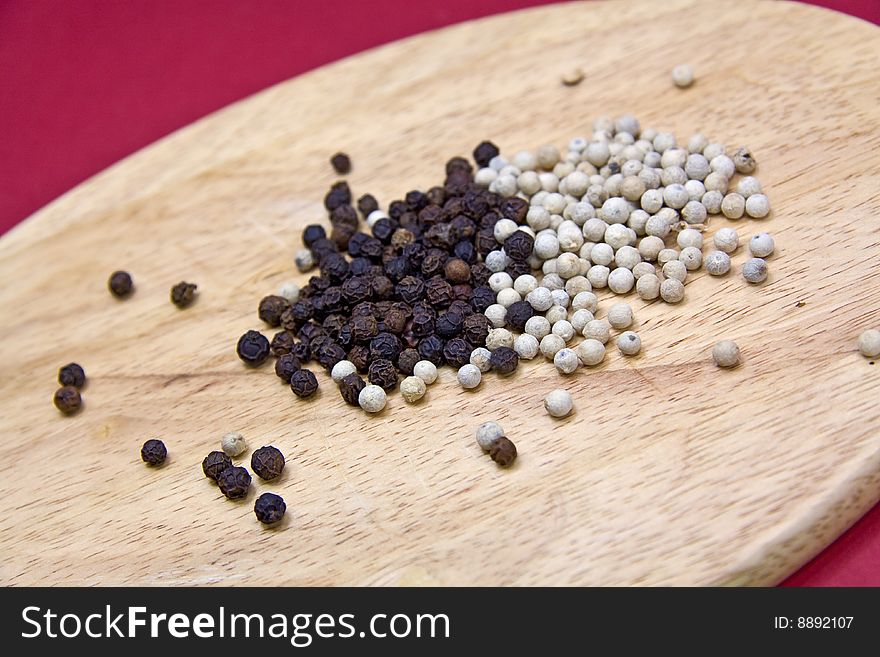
x,y
457,352
518,313
72,375
253,348
282,343
367,204
504,360
269,508
234,482
475,329
312,234
303,383
339,194
267,462
383,373
482,298
341,163
484,152
350,387
431,348
120,284
154,452
503,451
385,345
448,325
183,294
285,366
518,246
67,400
215,463
407,361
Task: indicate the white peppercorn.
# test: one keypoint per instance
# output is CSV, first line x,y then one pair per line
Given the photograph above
x,y
620,316
528,182
526,346
667,255
869,343
675,196
675,269
615,210
692,258
696,190
598,329
304,260
694,212
713,150
555,314
757,206
507,297
537,326
539,299
412,389
499,281
689,237
585,301
743,160
598,276
485,176
627,256
590,352
733,206
555,203
683,76
480,358
469,376
426,371
697,143
648,287
550,344
233,444
672,290
712,200
629,343
674,175
552,282
372,398
761,245
563,329
497,261
577,284
651,201
580,318
289,291
558,403
754,270
504,228
566,361
725,353
717,263
499,337
602,253
621,280
496,314
650,247
643,268
748,186
726,239
716,182
375,216
546,246
723,165
341,370
658,225
487,433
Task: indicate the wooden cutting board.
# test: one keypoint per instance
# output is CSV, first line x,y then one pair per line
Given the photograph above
x,y
671,471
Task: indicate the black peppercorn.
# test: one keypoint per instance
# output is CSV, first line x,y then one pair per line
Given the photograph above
x,y
67,400
329,354
285,367
457,352
458,164
504,360
363,329
463,293
253,348
335,267
215,463
438,292
341,235
382,287
72,375
269,508
518,313
422,325
466,251
482,298
183,294
372,248
341,163
120,284
367,204
344,215
485,241
514,208
457,270
356,289
502,451
397,268
154,452
350,387
460,307
484,152
475,329
395,321
518,246
282,343
302,352
383,373
396,209
385,345
234,482
339,194
302,310
303,383
436,195
359,355
448,325
267,462
383,229
407,360
518,268
313,233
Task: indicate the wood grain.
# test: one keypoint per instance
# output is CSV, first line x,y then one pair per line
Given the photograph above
x,y
670,472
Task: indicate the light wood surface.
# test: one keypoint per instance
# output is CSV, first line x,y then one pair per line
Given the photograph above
x,y
670,472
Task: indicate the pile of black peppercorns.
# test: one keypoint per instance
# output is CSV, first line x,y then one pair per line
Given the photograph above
x,y
412,288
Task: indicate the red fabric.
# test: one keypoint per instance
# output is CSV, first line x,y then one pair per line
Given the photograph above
x,y
83,84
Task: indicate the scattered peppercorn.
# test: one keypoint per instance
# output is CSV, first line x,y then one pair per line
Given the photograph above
x,y
183,294
484,152
503,451
269,508
341,163
383,373
215,463
303,383
350,387
67,400
154,452
233,443
72,375
272,308
267,462
234,482
253,348
120,284
504,360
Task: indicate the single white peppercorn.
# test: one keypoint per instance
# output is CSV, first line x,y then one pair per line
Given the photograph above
x,y
426,371
712,201
412,389
485,176
469,376
525,284
487,433
558,403
643,268
754,270
757,206
683,76
689,237
499,337
289,291
650,247
537,326
480,358
497,261
233,444
620,316
748,186
566,361
761,245
667,255
580,318
500,281
675,269
648,287
627,256
598,329
556,314
563,329
341,370
717,263
574,286
869,343
672,290
726,239
372,398
598,276
526,346
497,315
621,280
550,345
694,212
733,205
590,352
539,299
629,343
725,353
560,298
504,228
585,301
692,258
723,165
304,260
507,297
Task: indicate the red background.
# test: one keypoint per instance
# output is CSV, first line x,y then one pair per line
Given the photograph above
x,y
83,84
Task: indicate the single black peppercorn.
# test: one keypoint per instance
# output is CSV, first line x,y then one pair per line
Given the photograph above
x,y
385,345
350,387
267,462
518,268
234,482
482,298
359,355
475,329
313,233
504,360
154,452
519,245
460,307
344,215
120,284
438,292
282,343
215,463
363,329
341,163
457,270
269,508
286,365
383,373
518,313
458,164
503,451
382,287
484,152
367,204
396,209
72,375
457,352
302,352
303,383
253,348
515,209
183,294
448,325
341,235
407,360
339,194
410,289
329,354
67,400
